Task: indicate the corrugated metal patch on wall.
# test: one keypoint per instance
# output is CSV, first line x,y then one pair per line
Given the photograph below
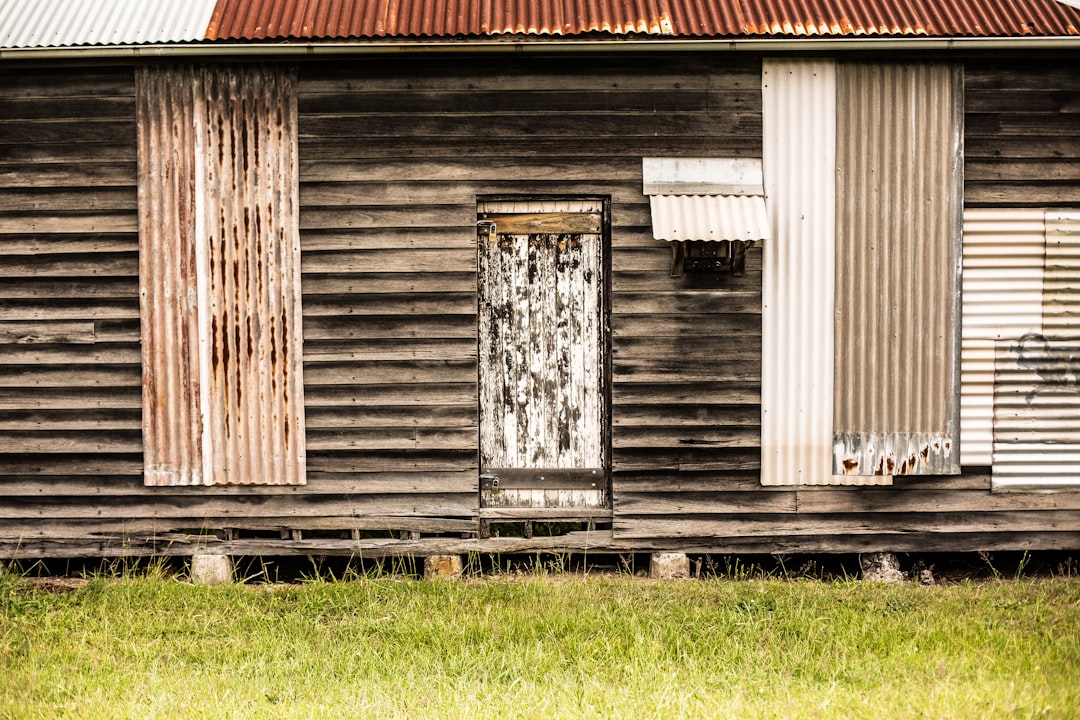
x,y
63,23
799,99
243,289
709,217
1037,375
1003,300
897,269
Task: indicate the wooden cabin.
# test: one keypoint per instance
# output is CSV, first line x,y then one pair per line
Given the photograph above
x,y
685,280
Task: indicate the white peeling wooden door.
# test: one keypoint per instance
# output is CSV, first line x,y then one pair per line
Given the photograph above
x,y
542,411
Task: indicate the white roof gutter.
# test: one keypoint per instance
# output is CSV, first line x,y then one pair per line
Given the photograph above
x,y
300,50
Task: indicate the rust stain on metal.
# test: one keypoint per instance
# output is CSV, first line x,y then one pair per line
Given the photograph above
x,y
243,390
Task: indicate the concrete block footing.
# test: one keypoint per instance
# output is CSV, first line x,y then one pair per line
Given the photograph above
x,y
443,566
211,569
883,567
669,566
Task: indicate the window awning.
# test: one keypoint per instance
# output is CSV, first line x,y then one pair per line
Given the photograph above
x,y
708,199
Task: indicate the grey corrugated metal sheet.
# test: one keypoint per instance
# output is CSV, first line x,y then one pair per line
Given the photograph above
x,y
1003,300
897,268
220,275
66,23
1037,375
318,19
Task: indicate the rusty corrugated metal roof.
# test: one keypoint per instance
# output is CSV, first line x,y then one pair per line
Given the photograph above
x,y
345,19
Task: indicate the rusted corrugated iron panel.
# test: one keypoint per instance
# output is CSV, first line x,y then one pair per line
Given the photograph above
x,y
1004,253
171,418
541,349
233,377
898,230
340,19
799,113
65,23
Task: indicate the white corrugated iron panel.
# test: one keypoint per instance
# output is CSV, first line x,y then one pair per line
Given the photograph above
x,y
1002,300
1036,413
65,23
799,153
709,217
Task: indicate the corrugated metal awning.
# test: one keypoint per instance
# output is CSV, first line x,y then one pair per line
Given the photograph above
x,y
708,199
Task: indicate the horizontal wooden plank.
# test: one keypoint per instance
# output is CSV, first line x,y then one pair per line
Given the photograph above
x,y
42,332
426,260
402,461
56,311
680,325
386,372
660,393
68,244
393,238
466,102
90,81
1014,171
98,107
583,126
1017,75
392,438
365,282
523,74
103,287
1021,194
67,131
73,266
64,173
430,303
52,158
468,168
97,221
703,503
111,376
384,349
1034,124
706,352
69,398
463,394
1018,147
874,500
648,281
544,223
685,371
543,478
735,142
392,416
703,436
44,199
70,354
71,441
929,532
673,416
157,544
394,326
690,458
319,483
54,420
1024,100
692,301
672,482
179,504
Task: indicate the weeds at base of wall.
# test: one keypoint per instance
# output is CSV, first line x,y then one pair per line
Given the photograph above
x,y
942,568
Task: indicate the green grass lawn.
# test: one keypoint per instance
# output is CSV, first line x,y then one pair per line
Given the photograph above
x,y
614,646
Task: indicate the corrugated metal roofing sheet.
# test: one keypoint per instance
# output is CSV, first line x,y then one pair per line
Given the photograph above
x,y
341,19
709,217
65,23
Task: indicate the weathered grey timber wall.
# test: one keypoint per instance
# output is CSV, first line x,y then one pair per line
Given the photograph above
x,y
1022,133
392,159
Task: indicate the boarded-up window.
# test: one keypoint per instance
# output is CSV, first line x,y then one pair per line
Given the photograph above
x,y
898,226
220,275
